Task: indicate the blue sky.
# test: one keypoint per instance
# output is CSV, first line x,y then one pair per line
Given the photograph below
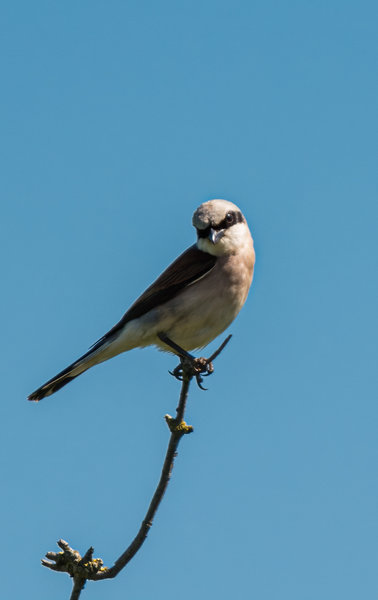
x,y
118,120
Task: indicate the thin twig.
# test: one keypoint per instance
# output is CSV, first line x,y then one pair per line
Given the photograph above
x,y
178,429
86,568
219,350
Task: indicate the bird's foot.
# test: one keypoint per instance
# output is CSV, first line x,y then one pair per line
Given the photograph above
x,y
193,367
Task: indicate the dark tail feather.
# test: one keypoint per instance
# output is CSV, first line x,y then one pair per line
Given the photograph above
x,y
50,388
68,374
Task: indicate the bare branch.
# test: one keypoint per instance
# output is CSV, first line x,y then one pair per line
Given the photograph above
x,y
78,586
83,568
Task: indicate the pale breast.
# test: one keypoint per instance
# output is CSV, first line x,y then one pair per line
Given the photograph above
x,y
206,308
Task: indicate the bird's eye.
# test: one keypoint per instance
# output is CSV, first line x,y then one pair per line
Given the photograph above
x,y
230,218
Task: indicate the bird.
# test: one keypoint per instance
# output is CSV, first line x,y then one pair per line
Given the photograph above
x,y
192,302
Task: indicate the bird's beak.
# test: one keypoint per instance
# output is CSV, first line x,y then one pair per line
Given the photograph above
x,y
213,236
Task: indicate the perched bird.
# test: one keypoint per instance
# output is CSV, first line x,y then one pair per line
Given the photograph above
x,y
192,301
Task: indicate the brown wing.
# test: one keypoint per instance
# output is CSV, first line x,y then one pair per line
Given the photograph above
x,y
185,270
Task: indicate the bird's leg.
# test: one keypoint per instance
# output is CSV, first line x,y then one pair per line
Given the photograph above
x,y
189,364
180,351
186,359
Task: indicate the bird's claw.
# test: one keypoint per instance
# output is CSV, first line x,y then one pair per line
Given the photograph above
x,y
196,367
177,373
193,367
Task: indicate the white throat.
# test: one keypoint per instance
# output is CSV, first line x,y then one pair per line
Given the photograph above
x,y
233,241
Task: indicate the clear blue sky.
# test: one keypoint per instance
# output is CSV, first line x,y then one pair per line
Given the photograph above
x,y
118,120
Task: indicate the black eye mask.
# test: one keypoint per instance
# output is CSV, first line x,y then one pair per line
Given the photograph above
x,y
230,219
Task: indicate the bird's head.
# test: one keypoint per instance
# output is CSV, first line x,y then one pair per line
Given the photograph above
x,y
221,228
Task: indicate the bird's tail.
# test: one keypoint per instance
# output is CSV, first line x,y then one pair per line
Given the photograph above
x,y
68,374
